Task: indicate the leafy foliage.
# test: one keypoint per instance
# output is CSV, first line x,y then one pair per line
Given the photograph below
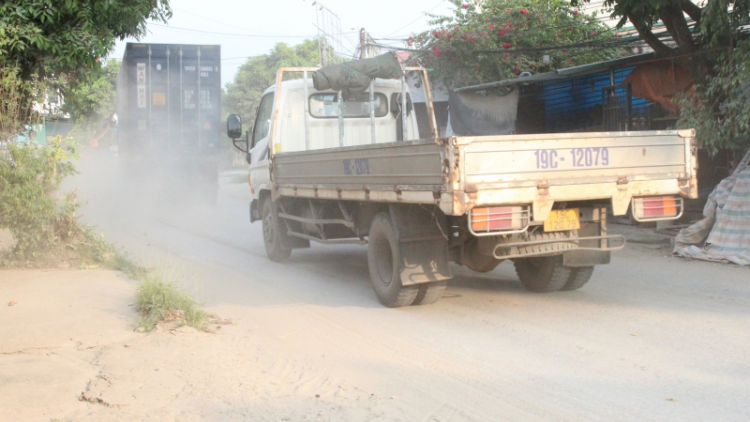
x,y
94,99
463,47
718,22
67,36
43,43
719,109
43,222
258,73
15,112
29,183
718,105
63,40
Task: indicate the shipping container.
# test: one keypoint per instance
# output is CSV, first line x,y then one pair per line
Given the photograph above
x,y
169,109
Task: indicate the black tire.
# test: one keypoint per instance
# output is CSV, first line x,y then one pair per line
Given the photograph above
x,y
272,234
579,276
430,292
382,258
543,274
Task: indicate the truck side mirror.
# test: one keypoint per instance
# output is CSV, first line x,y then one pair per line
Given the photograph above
x,y
396,103
234,131
234,126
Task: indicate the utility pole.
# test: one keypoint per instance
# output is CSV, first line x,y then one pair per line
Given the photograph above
x,y
324,52
362,44
329,33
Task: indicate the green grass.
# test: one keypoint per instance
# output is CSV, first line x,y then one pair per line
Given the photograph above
x,y
160,299
120,261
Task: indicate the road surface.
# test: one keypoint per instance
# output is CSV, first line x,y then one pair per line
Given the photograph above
x,y
650,338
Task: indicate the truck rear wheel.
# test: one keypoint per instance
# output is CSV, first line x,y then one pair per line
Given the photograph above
x,y
272,234
383,257
430,292
579,276
543,274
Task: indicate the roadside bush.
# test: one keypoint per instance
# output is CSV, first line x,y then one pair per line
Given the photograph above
x,y
16,111
30,206
43,221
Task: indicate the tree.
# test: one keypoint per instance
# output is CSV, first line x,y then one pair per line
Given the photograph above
x,y
492,40
719,108
68,36
14,107
42,41
93,99
718,23
64,39
259,72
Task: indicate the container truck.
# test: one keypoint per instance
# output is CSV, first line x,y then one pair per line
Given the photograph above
x,y
364,177
169,112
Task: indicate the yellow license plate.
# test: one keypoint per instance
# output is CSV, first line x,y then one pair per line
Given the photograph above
x,y
560,220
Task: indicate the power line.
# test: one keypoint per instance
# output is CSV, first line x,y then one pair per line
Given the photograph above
x,y
228,34
223,23
580,44
417,19
531,30
658,26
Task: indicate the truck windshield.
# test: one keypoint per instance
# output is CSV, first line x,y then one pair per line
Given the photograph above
x,y
326,105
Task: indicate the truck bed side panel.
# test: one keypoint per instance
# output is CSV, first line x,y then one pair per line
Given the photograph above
x,y
407,166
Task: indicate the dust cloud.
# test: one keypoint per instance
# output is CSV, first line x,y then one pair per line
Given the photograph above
x,y
128,195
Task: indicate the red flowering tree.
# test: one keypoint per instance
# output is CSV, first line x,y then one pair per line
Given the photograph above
x,y
492,40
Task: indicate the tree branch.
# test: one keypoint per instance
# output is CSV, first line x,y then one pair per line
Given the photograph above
x,y
677,26
691,10
645,32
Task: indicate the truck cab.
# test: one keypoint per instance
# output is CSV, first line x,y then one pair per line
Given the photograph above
x,y
362,125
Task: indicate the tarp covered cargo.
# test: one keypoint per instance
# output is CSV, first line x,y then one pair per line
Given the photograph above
x,y
473,114
724,232
354,77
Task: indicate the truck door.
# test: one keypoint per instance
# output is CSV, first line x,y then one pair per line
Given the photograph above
x,y
260,141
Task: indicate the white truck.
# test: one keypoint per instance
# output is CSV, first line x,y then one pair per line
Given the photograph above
x,y
364,177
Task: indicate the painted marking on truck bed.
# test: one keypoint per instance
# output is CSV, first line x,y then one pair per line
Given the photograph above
x,y
358,166
581,157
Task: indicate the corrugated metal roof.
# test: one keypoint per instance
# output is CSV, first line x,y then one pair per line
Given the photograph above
x,y
563,73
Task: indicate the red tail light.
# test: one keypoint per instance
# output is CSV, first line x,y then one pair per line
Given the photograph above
x,y
654,208
499,219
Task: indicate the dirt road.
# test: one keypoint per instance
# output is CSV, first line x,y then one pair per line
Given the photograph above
x,y
651,338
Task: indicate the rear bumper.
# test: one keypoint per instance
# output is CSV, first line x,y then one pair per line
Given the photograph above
x,y
543,197
604,246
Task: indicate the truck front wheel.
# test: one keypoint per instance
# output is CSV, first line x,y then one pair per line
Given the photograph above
x,y
272,234
383,256
543,274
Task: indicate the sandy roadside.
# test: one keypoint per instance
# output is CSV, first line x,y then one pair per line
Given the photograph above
x,y
68,352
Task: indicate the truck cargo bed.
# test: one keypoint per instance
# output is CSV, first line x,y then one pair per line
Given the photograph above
x,y
459,173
